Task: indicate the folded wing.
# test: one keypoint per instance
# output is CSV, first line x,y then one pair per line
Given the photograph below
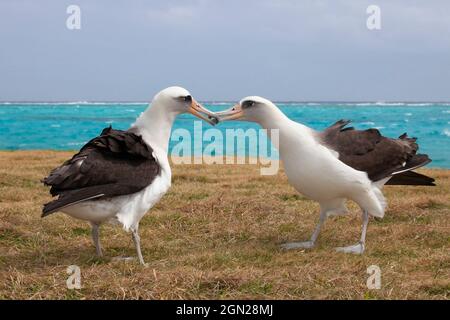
x,y
379,156
112,164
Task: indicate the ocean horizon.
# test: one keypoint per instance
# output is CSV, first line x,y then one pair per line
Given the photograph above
x,y
336,102
68,125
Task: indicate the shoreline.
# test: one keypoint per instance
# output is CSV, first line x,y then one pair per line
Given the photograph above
x,y
194,160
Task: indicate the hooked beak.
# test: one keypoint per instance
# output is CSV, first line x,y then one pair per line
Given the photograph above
x,y
201,112
231,114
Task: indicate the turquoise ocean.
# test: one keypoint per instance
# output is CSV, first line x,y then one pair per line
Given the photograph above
x,y
67,126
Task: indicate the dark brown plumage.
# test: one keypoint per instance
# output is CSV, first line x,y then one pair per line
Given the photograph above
x,y
379,156
113,164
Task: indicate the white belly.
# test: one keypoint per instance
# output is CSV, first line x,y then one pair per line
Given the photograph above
x,y
329,181
317,173
128,209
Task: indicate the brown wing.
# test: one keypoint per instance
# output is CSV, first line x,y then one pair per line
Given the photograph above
x,y
369,151
115,163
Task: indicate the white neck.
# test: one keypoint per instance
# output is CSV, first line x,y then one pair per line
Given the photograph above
x,y
155,125
273,118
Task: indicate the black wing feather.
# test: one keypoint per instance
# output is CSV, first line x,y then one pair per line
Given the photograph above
x,y
411,178
368,151
112,164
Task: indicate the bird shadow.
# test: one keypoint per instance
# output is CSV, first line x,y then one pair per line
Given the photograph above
x,y
82,256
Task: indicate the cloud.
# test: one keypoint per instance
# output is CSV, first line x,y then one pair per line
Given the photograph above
x,y
285,49
178,14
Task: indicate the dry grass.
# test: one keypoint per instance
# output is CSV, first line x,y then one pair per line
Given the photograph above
x,y
216,234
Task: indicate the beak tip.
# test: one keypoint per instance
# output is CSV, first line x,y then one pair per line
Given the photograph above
x,y
214,120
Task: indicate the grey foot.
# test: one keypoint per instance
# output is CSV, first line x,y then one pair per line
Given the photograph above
x,y
355,249
297,245
124,259
128,259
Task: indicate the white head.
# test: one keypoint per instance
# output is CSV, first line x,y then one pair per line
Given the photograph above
x,y
252,108
178,100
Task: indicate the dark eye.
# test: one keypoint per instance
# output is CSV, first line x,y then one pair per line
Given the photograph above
x,y
188,99
248,104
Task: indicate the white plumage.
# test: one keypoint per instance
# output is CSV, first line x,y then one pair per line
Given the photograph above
x,y
318,172
153,127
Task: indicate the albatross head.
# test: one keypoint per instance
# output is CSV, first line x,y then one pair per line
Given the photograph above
x,y
252,108
178,100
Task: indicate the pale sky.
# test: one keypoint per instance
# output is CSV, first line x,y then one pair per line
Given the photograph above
x,y
316,50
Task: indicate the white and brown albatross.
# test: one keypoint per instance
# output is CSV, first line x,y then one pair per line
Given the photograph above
x,y
336,164
120,175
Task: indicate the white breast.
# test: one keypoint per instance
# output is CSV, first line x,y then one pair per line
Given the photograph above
x,y
133,208
127,209
313,169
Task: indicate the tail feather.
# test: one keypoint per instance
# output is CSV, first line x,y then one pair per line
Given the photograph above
x,y
71,197
406,176
417,161
411,178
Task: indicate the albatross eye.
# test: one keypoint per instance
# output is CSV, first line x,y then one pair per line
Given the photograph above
x,y
248,104
188,99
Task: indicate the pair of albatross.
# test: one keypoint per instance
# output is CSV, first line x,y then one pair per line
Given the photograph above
x,y
120,175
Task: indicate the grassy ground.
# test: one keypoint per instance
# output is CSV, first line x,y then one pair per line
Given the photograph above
x,y
216,234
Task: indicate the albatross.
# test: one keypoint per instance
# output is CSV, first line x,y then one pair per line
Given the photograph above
x,y
336,164
119,175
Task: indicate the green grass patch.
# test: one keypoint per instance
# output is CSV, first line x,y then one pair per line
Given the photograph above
x,y
257,287
81,231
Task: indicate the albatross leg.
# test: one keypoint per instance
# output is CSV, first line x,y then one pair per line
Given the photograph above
x,y
360,246
307,244
137,244
96,239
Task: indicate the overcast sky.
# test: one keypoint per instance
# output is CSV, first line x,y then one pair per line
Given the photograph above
x,y
224,50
